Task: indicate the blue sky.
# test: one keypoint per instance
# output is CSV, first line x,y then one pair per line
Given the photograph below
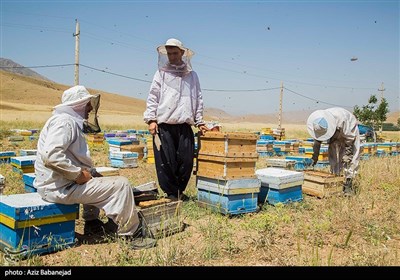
x,y
244,50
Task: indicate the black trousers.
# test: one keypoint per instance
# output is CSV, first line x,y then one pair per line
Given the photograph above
x,y
174,161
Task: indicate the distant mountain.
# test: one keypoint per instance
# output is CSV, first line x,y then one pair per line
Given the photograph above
x,y
13,67
25,86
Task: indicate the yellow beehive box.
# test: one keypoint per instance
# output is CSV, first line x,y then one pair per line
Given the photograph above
x,y
232,144
322,184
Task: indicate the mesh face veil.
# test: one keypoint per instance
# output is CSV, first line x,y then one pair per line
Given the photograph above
x,y
91,124
165,65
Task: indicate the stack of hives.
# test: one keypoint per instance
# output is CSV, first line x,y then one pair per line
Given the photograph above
x,y
384,149
135,147
149,150
279,133
23,164
281,163
264,147
95,139
123,159
115,143
24,152
5,156
281,147
226,180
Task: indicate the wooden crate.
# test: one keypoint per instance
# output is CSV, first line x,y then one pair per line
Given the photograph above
x,y
235,144
322,184
225,168
163,219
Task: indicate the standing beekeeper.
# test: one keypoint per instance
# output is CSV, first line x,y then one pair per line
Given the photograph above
x,y
65,174
338,127
173,106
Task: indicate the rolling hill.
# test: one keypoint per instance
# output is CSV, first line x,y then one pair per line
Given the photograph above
x,y
27,91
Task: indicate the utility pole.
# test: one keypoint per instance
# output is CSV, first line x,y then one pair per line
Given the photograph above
x,y
381,90
76,35
280,107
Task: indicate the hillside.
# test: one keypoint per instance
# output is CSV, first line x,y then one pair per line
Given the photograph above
x,y
20,93
13,67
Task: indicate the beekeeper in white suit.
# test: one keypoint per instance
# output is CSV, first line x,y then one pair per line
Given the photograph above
x,y
65,174
338,127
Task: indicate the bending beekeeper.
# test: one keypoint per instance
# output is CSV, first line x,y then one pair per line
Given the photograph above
x,y
338,127
65,174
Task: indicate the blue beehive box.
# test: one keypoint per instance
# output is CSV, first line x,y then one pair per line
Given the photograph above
x,y
124,163
6,155
274,196
228,204
229,187
24,152
280,185
28,179
29,225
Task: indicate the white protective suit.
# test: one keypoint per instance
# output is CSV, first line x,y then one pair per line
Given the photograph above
x,y
339,128
62,152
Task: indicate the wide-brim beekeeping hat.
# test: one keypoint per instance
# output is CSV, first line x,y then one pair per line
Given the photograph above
x,y
174,43
321,125
74,96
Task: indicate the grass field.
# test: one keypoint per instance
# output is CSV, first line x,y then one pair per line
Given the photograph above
x,y
363,230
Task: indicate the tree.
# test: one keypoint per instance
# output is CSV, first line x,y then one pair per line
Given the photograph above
x,y
398,122
372,114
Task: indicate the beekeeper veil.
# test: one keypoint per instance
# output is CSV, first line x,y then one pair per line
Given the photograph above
x,y
82,107
180,68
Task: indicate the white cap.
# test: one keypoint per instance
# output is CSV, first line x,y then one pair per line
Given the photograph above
x,y
321,125
75,95
172,42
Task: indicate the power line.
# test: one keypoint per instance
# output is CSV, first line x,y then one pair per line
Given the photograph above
x,y
115,74
239,90
204,89
39,66
316,100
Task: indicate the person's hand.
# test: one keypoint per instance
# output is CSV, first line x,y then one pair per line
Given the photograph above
x,y
202,129
94,173
346,159
153,128
84,177
314,160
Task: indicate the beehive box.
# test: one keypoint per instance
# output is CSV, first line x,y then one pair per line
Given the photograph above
x,y
285,196
25,152
233,144
134,148
280,162
228,187
29,225
6,155
278,178
322,184
107,171
124,163
163,216
226,168
227,204
28,179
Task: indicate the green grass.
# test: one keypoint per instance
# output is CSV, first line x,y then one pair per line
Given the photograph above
x,y
336,231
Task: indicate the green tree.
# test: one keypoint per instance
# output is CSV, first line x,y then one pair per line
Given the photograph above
x,y
372,114
398,122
